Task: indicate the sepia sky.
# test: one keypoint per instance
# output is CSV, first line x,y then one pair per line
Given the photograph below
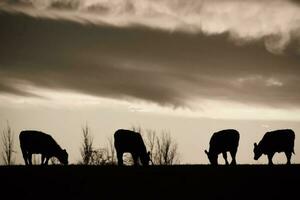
x,y
191,67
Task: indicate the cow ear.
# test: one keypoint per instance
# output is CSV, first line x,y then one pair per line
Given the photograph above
x,y
206,151
255,144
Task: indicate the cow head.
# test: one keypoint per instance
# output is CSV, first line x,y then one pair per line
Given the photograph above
x,y
63,157
212,157
145,159
257,151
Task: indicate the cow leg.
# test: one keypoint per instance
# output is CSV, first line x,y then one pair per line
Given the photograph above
x,y
120,159
29,157
26,160
288,156
47,160
42,159
233,154
270,157
225,157
135,159
25,157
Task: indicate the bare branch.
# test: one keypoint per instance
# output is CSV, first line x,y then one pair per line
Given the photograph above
x,y
163,149
8,145
54,161
137,129
111,151
87,145
150,141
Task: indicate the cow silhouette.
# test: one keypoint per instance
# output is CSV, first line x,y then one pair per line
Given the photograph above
x,y
275,141
127,141
221,142
36,142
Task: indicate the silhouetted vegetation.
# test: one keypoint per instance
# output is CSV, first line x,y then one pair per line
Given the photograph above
x,y
104,155
166,150
87,146
8,143
54,161
109,153
96,156
163,148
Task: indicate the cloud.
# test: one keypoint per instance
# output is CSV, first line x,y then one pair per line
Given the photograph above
x,y
138,62
11,89
274,21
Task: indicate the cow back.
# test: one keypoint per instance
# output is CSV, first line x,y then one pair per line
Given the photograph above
x,y
225,140
38,142
129,141
278,141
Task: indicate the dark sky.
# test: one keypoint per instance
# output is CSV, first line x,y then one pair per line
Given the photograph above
x,y
140,61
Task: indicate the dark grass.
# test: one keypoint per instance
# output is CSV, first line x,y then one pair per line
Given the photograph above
x,y
153,182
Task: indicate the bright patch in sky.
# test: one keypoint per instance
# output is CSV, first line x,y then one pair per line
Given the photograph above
x,y
203,108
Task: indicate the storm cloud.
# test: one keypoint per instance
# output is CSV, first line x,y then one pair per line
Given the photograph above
x,y
249,60
274,21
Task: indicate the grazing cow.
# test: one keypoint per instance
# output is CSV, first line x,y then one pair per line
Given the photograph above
x,y
221,142
131,142
36,142
276,141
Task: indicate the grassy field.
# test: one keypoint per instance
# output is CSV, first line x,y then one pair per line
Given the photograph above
x,y
153,182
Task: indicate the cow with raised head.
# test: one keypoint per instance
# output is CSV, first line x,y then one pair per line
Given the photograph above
x,y
127,141
222,142
276,141
36,142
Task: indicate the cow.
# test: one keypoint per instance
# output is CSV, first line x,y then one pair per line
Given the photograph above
x,y
36,142
275,141
131,142
221,142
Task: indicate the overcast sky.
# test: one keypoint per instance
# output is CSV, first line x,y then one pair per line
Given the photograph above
x,y
188,66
